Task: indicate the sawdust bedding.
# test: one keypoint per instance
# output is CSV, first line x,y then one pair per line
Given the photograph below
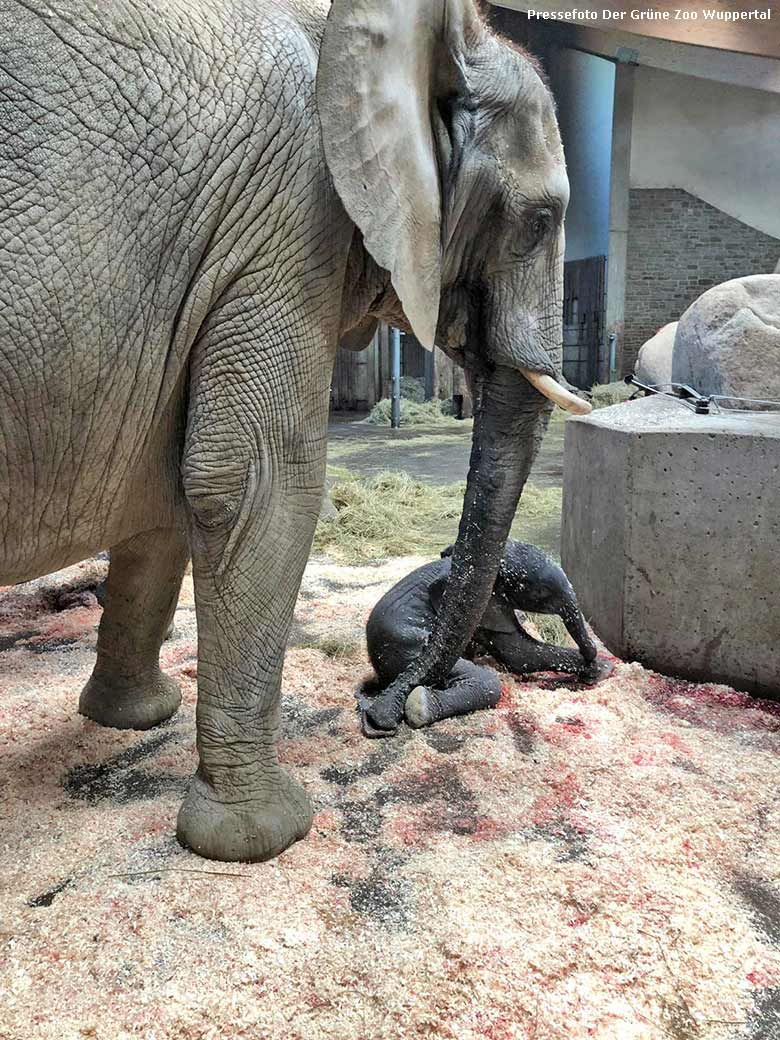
x,y
579,863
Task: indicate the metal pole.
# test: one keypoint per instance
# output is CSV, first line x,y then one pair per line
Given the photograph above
x,y
612,357
430,375
395,371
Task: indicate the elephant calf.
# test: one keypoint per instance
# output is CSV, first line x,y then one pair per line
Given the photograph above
x,y
400,624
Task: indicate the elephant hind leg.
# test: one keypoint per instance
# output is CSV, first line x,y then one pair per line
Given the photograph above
x,y
127,690
470,688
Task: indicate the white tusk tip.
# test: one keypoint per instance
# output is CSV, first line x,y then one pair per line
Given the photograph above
x,y
556,393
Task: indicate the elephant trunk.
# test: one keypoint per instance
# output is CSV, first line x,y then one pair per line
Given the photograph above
x,y
509,421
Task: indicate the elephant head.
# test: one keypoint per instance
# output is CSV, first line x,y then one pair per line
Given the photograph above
x,y
529,580
443,145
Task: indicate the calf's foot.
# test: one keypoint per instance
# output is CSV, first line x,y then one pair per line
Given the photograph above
x,y
595,671
420,709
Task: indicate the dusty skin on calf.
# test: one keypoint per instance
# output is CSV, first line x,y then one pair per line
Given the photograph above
x,y
400,624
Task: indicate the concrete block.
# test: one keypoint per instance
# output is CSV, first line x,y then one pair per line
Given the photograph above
x,y
671,538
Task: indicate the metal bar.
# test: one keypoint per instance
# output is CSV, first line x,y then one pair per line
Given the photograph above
x,y
744,400
395,353
430,375
612,356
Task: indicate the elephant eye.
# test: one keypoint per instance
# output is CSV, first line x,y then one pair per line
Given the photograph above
x,y
541,222
538,225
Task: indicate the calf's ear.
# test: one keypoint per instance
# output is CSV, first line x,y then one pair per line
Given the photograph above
x,y
384,67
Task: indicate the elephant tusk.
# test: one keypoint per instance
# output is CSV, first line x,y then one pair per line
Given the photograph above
x,y
554,392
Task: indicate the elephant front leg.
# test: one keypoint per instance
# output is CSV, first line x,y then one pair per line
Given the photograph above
x,y
252,520
127,690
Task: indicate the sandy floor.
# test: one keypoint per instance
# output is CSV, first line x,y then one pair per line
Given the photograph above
x,y
580,863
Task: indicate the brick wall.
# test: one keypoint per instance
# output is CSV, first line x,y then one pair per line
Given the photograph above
x,y
678,247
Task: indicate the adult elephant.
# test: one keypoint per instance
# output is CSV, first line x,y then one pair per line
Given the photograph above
x,y
192,220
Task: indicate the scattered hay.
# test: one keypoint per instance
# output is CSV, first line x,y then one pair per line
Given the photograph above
x,y
338,648
417,412
413,388
392,514
413,413
387,515
551,629
606,394
540,509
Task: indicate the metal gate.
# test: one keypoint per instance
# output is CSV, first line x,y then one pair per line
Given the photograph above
x,y
583,319
356,380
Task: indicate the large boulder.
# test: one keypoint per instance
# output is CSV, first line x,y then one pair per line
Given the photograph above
x,y
654,363
728,341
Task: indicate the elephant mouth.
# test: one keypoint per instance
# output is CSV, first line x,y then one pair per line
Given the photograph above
x,y
553,391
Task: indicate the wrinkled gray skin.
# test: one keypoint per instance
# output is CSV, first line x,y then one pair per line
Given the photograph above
x,y
191,221
400,625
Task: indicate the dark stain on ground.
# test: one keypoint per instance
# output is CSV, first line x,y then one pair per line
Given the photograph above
x,y
118,781
552,682
340,586
444,743
31,642
11,642
460,813
383,896
47,646
688,767
299,720
700,707
374,765
762,902
522,732
47,898
678,1022
764,1020
361,821
163,849
574,844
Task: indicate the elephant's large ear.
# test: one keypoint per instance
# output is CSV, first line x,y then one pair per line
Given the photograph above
x,y
384,64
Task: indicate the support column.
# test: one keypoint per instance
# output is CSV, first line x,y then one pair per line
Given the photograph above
x,y
620,183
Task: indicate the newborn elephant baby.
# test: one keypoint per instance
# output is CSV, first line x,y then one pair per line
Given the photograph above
x,y
400,624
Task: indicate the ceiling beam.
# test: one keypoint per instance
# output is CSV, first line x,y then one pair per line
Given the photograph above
x,y
682,21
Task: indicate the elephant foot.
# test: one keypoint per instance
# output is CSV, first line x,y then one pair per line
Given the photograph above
x,y
596,671
419,710
383,715
368,728
122,706
247,832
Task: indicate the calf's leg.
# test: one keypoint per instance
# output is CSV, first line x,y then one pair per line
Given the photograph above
x,y
521,654
470,687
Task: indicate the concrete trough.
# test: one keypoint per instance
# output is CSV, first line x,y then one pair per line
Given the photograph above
x,y
671,532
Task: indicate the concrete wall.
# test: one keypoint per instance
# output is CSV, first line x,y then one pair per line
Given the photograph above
x,y
717,141
678,247
583,86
